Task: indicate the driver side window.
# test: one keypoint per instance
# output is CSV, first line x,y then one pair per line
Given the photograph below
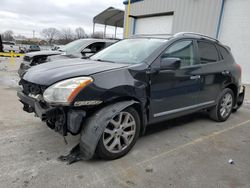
x,y
183,50
96,47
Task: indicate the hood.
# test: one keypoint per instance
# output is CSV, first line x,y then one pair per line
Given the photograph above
x,y
63,57
49,73
42,53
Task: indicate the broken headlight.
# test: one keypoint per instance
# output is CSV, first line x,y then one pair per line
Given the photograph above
x,y
64,92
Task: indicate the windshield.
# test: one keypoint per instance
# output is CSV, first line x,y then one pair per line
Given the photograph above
x,y
74,46
130,51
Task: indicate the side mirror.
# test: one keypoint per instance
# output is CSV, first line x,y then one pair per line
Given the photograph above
x,y
170,63
86,50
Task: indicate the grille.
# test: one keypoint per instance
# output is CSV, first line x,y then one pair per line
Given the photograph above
x,y
31,88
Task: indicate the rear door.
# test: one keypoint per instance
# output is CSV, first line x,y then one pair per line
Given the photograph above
x,y
213,71
175,91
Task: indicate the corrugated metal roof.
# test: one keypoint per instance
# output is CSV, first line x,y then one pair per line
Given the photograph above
x,y
111,16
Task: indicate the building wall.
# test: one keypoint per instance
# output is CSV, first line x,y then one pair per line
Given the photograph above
x,y
235,32
189,15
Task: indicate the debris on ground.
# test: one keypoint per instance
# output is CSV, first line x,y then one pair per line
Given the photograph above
x,y
149,170
230,161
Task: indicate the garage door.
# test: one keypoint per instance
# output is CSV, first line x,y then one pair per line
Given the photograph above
x,y
154,25
235,32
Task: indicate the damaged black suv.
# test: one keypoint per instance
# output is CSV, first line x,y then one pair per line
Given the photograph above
x,y
111,97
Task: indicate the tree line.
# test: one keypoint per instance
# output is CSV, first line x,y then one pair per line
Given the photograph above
x,y
53,35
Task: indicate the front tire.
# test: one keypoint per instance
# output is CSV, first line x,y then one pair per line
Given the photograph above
x,y
120,135
224,106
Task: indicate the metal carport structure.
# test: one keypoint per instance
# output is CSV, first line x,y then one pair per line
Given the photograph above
x,y
109,17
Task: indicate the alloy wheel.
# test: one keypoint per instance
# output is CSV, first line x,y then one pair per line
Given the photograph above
x,y
226,105
120,132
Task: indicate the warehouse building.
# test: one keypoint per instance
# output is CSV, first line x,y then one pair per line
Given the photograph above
x,y
226,20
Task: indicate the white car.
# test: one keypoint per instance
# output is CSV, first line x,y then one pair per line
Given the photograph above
x,y
9,46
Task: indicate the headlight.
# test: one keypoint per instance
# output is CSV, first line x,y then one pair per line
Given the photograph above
x,y
65,91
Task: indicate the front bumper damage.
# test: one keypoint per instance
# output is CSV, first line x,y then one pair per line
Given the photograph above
x,y
92,132
70,120
60,119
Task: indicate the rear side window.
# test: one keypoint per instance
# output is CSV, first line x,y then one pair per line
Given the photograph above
x,y
223,51
208,52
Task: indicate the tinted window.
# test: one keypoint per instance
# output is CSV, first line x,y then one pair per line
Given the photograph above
x,y
223,52
183,50
96,47
208,52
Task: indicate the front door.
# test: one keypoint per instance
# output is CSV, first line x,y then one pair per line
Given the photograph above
x,y
175,91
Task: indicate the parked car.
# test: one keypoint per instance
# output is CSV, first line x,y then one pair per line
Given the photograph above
x,y
56,47
76,49
111,97
33,48
9,46
23,49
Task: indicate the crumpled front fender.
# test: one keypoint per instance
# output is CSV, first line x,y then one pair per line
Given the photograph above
x,y
95,125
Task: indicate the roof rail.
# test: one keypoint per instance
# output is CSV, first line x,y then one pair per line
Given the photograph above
x,y
196,34
153,35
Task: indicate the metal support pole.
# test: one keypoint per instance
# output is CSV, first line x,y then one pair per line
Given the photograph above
x,y
93,28
115,31
127,19
104,36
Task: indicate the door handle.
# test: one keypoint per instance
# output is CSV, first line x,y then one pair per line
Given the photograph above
x,y
195,77
225,72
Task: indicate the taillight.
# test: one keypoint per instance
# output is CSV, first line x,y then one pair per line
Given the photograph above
x,y
240,69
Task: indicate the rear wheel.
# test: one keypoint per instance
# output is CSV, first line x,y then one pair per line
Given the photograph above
x,y
224,106
119,135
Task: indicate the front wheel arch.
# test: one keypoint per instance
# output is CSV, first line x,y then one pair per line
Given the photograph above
x,y
139,106
95,124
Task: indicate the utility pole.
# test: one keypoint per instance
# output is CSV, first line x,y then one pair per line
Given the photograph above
x,y
127,19
34,34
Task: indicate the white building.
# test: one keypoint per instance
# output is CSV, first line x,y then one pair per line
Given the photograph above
x,y
227,20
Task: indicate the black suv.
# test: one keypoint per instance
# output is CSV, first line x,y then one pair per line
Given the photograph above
x,y
111,97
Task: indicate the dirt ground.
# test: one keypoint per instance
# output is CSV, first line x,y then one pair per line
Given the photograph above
x,y
189,152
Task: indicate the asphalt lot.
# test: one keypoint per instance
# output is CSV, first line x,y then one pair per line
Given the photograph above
x,y
192,151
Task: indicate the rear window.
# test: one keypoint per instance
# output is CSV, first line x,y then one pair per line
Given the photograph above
x,y
208,52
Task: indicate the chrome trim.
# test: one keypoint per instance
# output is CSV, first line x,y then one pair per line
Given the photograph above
x,y
183,109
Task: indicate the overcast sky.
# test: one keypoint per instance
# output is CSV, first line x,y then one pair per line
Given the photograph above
x,y
24,16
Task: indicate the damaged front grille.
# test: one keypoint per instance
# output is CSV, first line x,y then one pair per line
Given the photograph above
x,y
31,88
